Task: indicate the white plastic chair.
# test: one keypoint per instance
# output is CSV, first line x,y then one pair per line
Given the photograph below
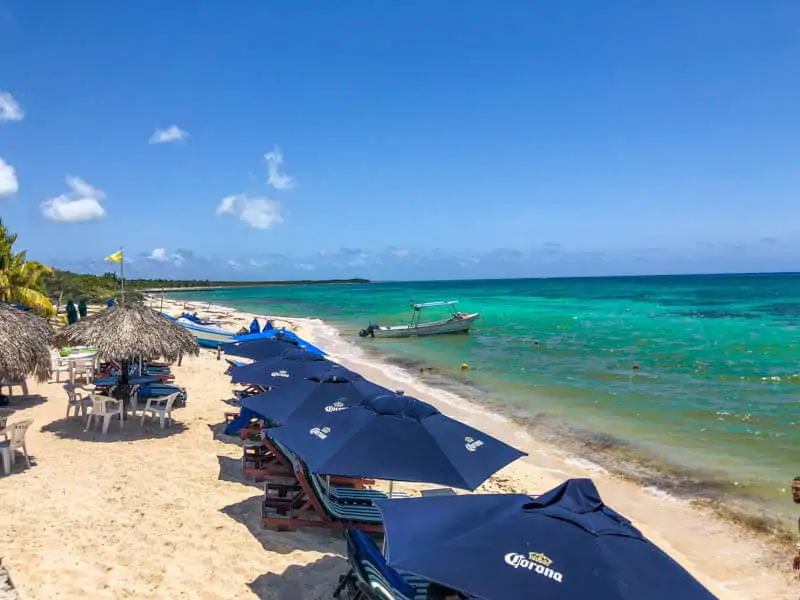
x,y
107,408
61,365
76,401
160,407
16,441
4,414
83,369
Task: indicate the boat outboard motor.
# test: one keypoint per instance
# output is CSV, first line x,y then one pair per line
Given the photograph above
x,y
369,331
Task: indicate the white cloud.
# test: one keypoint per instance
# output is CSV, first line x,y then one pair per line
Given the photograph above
x,y
160,255
8,179
173,133
82,203
278,180
360,260
10,110
257,211
258,264
305,267
234,264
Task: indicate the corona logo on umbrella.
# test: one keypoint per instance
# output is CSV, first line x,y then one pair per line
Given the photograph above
x,y
336,406
536,561
472,444
279,374
320,432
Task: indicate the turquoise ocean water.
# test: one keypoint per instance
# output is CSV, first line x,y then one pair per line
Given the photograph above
x,y
711,412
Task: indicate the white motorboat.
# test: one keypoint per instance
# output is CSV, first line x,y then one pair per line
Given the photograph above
x,y
457,322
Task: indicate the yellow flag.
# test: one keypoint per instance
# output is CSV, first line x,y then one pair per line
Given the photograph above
x,y
116,257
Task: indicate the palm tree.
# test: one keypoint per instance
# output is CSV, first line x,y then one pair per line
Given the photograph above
x,y
19,278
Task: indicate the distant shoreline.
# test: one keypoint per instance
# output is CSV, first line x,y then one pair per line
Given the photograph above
x,y
211,288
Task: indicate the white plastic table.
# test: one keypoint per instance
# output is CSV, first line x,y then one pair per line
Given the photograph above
x,y
76,356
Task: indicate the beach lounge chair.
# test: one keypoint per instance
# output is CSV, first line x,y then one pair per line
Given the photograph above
x,y
232,364
250,390
370,578
266,458
261,461
284,460
161,372
350,495
306,504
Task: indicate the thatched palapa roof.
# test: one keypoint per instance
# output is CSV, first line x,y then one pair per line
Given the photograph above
x,y
130,331
24,345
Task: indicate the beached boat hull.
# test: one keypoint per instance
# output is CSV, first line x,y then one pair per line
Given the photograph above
x,y
208,336
461,325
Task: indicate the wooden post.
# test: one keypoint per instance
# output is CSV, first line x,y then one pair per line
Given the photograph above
x,y
219,351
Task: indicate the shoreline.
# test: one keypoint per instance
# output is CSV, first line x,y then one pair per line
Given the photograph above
x,y
728,495
620,456
696,532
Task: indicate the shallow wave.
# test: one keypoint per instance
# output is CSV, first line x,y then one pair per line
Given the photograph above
x,y
609,453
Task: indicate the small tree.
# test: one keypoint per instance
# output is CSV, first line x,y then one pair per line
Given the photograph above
x,y
20,278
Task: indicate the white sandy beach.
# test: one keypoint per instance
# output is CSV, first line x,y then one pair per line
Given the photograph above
x,y
152,514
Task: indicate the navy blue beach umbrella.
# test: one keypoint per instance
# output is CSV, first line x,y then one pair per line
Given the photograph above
x,y
258,346
562,545
310,399
396,437
290,366
329,391
289,336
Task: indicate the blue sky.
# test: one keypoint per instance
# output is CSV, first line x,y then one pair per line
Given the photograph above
x,y
416,139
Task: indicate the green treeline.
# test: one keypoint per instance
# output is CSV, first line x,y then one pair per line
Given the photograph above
x,y
98,288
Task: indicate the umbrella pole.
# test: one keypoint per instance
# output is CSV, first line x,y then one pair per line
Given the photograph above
x,y
391,489
122,388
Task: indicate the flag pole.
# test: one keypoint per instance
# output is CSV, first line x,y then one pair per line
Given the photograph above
x,y
122,274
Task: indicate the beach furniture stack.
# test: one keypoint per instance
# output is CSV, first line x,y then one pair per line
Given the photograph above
x,y
370,433
327,435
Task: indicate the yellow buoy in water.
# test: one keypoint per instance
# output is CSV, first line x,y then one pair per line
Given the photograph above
x,y
464,366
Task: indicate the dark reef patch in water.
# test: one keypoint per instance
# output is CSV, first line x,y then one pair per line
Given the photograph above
x,y
782,309
715,314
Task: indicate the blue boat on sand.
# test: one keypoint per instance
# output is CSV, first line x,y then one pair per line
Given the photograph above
x,y
208,334
211,334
